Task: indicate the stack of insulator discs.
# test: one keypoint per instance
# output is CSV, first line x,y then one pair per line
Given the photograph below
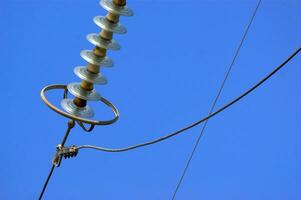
x,y
97,58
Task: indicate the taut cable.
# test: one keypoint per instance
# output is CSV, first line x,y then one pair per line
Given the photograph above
x,y
218,95
57,158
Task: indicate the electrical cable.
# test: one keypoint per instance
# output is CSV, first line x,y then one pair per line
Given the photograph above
x,y
46,182
71,124
199,121
56,162
216,100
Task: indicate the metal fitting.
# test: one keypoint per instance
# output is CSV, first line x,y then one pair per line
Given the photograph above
x,y
66,152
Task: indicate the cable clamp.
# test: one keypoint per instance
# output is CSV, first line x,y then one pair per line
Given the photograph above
x,y
66,152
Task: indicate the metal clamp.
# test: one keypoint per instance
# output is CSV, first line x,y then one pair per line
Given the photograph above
x,y
66,152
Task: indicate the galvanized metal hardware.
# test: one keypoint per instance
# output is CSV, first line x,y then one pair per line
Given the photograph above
x,y
69,152
66,152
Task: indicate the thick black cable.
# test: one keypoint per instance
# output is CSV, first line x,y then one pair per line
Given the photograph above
x,y
199,121
216,100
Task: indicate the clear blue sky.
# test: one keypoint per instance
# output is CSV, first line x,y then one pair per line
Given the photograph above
x,y
172,61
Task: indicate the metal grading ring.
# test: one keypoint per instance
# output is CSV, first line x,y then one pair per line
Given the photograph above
x,y
79,119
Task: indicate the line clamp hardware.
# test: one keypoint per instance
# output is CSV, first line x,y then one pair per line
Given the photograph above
x,y
66,152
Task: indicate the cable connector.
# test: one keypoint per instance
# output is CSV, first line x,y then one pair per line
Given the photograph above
x,y
66,152
69,152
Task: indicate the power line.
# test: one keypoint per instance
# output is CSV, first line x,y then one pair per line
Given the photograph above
x,y
216,100
240,97
175,133
56,163
66,151
46,182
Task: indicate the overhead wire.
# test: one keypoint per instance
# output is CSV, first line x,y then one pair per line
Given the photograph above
x,y
218,95
175,133
71,124
46,182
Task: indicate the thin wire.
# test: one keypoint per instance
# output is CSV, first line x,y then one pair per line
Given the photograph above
x,y
216,100
199,121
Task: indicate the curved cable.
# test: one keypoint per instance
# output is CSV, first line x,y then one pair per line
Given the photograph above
x,y
199,121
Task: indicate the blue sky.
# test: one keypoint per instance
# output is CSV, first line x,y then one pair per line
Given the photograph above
x,y
166,75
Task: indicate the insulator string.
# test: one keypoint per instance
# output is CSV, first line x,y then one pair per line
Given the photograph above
x,y
90,76
79,112
97,59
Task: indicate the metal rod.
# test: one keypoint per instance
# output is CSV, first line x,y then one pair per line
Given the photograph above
x,y
71,124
